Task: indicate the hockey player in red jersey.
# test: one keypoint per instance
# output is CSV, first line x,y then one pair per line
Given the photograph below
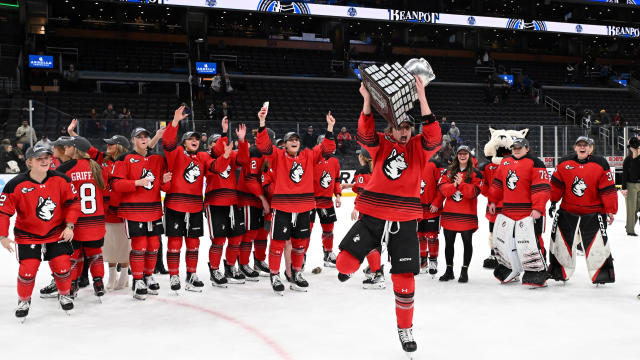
x,y
252,199
326,185
226,219
522,183
138,176
293,199
461,186
183,202
86,176
429,225
390,204
586,186
46,208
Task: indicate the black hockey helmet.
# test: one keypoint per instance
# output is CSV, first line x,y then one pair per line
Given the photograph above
x,y
190,134
291,134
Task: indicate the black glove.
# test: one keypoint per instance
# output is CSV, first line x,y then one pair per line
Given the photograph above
x,y
552,208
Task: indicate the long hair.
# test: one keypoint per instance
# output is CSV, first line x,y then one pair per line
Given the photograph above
x,y
369,162
96,169
119,151
454,168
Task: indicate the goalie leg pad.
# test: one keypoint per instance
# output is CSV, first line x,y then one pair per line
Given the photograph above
x,y
593,229
505,249
528,246
565,237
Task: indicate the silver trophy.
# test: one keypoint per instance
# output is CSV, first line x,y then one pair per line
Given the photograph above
x,y
393,87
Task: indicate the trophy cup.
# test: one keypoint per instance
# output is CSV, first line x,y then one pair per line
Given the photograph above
x,y
393,87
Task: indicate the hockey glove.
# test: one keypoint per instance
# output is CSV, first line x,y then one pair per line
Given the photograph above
x,y
552,209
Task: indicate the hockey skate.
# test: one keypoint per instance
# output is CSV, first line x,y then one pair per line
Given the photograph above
x,y
448,274
73,292
193,283
408,343
174,283
299,282
217,278
535,279
66,303
464,276
502,273
261,267
277,285
139,289
23,310
98,288
152,285
329,259
424,265
249,273
232,274
375,282
50,291
367,272
344,277
433,266
83,281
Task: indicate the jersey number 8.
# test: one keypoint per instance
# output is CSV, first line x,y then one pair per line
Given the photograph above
x,y
88,204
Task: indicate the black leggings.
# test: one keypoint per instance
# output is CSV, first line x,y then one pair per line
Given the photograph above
x,y
450,239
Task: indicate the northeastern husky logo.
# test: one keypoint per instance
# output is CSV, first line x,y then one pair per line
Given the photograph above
x,y
578,187
422,185
225,174
45,208
296,172
149,175
512,180
457,197
191,173
325,179
394,165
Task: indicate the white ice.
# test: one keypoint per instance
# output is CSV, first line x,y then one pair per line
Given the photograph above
x,y
478,320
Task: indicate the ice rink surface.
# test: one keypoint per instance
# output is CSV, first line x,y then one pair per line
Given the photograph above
x,y
478,320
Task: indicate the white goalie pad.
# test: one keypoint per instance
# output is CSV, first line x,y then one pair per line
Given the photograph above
x,y
598,253
528,251
505,246
566,229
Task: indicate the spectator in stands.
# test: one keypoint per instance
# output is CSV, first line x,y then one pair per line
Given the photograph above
x,y
618,119
9,161
94,125
203,143
108,117
605,118
211,112
454,133
125,121
344,141
71,75
225,110
309,139
25,134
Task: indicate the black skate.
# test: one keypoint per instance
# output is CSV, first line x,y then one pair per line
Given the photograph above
x,y
376,282
448,274
152,285
217,278
535,279
329,259
49,291
174,283
66,303
23,309
464,276
249,273
98,287
261,267
555,269
367,272
433,266
139,289
424,265
406,339
502,274
73,292
490,263
606,274
83,282
232,274
193,283
299,282
277,285
344,277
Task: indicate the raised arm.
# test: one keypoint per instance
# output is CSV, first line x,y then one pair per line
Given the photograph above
x,y
263,142
328,145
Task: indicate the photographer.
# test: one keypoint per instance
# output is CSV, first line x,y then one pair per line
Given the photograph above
x,y
631,184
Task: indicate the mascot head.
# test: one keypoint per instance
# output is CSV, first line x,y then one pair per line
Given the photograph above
x,y
499,145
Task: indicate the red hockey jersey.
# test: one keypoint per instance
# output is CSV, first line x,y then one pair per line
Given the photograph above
x,y
43,208
585,186
90,223
250,180
188,173
326,172
522,184
222,184
139,203
460,210
393,193
361,179
429,194
488,173
110,199
293,175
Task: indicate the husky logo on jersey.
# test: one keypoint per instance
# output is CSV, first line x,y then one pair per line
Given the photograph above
x,y
422,185
149,175
569,167
457,197
225,174
356,238
578,187
512,180
325,179
133,161
26,190
296,172
191,173
45,208
394,165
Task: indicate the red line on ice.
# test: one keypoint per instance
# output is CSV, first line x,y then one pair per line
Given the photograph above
x,y
274,346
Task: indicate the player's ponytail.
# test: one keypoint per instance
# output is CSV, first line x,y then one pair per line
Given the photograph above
x,y
96,169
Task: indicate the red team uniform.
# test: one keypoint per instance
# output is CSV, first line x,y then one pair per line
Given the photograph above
x,y
326,173
429,225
